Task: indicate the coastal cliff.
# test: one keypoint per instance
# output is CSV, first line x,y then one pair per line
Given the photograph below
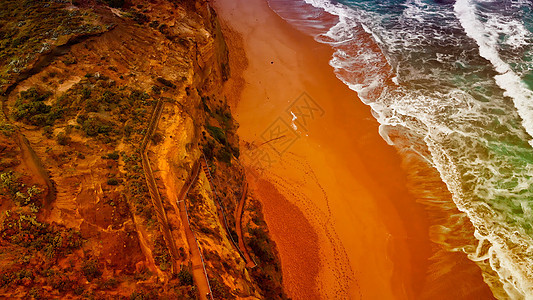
x,y
120,172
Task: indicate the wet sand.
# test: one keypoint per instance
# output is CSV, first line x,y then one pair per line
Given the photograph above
x,y
333,192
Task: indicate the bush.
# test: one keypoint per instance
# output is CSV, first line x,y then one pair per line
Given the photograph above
x,y
34,95
218,133
157,138
109,284
92,105
209,149
113,181
6,129
166,82
220,290
136,16
48,131
113,155
259,245
270,288
94,126
185,277
115,3
224,155
63,139
10,182
31,109
91,269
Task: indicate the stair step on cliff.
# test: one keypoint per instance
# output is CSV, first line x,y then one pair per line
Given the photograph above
x,y
66,201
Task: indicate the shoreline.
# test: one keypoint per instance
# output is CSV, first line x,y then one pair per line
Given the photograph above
x,y
372,237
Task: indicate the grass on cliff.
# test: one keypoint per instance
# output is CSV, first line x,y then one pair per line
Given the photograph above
x,y
222,143
31,108
101,109
29,28
268,274
38,245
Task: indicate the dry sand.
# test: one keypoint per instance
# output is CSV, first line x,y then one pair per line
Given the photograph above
x,y
335,199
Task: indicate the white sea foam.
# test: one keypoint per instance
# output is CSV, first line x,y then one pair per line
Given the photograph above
x,y
515,279
507,79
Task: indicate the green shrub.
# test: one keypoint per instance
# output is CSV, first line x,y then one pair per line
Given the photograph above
x,y
48,131
157,138
220,290
10,182
109,284
94,126
136,95
185,277
63,139
136,16
224,155
91,269
34,95
209,149
31,109
259,243
270,289
218,133
166,82
115,3
91,105
113,181
6,129
113,155
110,97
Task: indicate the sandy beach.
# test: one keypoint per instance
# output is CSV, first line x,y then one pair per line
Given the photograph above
x,y
333,191
334,194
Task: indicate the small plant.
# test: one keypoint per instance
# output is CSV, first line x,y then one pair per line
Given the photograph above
x,y
115,3
91,269
224,155
6,129
136,16
218,133
157,138
166,82
94,126
220,290
10,182
31,109
113,155
113,181
63,139
109,284
48,131
185,277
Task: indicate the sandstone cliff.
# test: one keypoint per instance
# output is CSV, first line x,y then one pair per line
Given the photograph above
x,y
119,157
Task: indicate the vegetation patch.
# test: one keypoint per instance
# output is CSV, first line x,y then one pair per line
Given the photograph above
x,y
29,28
91,269
51,242
13,185
31,108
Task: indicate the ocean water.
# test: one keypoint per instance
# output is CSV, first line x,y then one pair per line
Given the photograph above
x,y
451,81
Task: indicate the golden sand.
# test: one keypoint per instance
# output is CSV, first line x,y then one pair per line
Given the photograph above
x,y
335,199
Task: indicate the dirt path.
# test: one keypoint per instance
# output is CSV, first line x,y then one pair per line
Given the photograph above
x,y
31,159
250,263
152,186
198,268
222,215
34,164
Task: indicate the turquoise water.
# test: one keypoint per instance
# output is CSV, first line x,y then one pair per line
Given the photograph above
x,y
455,78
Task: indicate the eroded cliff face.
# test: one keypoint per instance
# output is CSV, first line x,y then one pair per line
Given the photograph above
x,y
119,158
